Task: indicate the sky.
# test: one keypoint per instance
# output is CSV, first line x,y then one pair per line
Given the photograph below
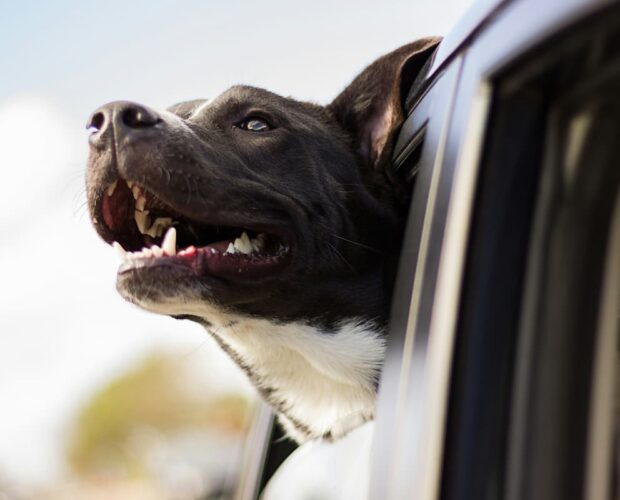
x,y
63,329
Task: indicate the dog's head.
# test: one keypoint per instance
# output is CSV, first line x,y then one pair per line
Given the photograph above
x,y
253,202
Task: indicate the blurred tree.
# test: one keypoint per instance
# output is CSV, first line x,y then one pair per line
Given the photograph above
x,y
156,396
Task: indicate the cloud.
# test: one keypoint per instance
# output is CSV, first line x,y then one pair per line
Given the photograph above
x,y
64,330
39,155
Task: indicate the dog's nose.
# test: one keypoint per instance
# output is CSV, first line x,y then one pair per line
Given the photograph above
x,y
121,116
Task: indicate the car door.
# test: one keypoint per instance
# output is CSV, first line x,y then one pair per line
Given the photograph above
x,y
500,377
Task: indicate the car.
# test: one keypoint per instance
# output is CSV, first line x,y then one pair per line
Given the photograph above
x,y
501,375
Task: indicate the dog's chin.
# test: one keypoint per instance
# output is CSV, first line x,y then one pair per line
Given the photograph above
x,y
175,284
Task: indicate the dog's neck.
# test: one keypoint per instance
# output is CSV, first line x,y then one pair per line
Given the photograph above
x,y
322,383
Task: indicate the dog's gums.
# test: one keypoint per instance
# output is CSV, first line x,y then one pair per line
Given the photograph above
x,y
172,239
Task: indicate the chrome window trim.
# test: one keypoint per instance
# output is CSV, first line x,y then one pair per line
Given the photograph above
x,y
600,445
447,294
388,470
255,453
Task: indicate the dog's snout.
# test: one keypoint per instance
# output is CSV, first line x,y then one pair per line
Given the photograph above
x,y
135,116
96,121
122,117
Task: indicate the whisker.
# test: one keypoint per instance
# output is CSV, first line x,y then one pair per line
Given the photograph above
x,y
357,243
337,252
194,350
80,208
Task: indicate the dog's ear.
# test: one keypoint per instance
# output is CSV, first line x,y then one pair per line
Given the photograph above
x,y
371,108
186,108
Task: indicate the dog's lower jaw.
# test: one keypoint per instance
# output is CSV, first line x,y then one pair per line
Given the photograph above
x,y
322,384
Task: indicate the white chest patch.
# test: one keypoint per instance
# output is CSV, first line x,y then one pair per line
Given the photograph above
x,y
321,383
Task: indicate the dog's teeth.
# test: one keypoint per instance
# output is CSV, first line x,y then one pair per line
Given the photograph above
x,y
259,242
141,203
133,255
111,188
157,252
121,252
169,245
143,221
261,239
243,244
159,226
136,192
231,248
245,238
129,184
146,252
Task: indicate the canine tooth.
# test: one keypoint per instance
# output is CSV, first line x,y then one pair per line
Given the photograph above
x,y
136,192
111,188
143,221
169,245
146,252
121,252
129,184
157,252
231,248
243,244
141,203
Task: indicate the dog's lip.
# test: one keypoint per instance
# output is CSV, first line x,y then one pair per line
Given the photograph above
x,y
201,262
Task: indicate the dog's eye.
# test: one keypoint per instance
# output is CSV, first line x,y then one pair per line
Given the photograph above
x,y
254,124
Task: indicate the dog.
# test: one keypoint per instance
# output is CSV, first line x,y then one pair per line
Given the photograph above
x,y
274,223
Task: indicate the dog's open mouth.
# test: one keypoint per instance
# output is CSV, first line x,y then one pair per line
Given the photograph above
x,y
147,232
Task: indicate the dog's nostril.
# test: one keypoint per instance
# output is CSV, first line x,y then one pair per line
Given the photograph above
x,y
135,117
96,122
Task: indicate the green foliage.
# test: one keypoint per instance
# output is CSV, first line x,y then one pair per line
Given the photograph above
x,y
153,396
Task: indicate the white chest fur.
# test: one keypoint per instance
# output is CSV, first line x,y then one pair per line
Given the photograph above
x,y
322,383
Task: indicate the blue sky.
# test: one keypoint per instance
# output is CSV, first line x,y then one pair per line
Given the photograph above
x,y
63,329
80,53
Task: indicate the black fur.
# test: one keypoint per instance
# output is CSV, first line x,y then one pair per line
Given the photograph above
x,y
318,177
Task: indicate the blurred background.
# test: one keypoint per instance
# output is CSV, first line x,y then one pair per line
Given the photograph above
x,y
99,399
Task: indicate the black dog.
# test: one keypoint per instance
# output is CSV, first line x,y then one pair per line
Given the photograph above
x,y
272,222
